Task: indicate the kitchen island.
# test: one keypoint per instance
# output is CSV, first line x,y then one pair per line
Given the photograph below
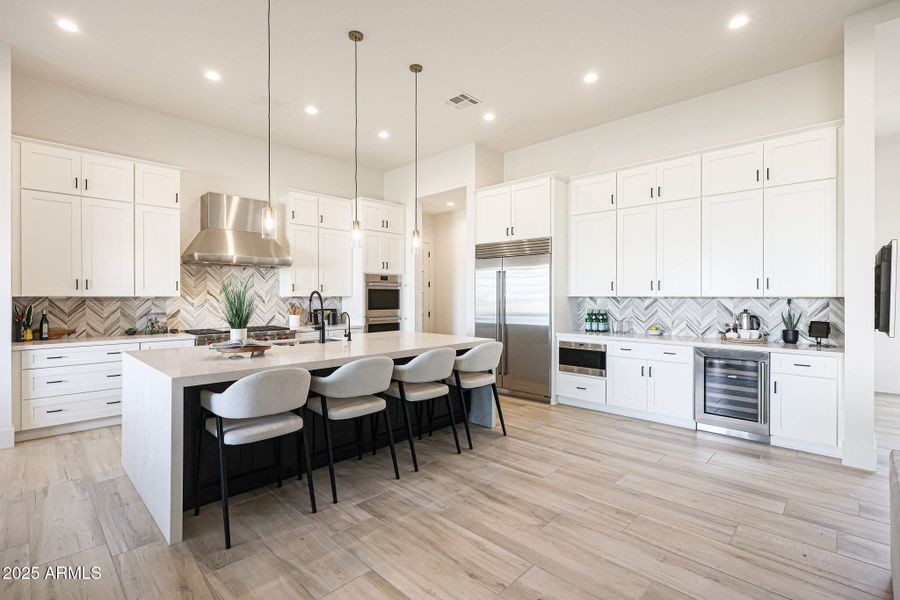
x,y
161,397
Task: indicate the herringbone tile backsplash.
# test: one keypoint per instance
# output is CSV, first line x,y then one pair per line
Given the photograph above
x,y
704,317
198,307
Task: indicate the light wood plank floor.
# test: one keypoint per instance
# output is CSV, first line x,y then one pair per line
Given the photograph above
x,y
573,504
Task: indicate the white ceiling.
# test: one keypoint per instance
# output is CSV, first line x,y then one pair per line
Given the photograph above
x,y
887,81
524,58
436,204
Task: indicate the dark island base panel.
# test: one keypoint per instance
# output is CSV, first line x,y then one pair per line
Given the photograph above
x,y
252,466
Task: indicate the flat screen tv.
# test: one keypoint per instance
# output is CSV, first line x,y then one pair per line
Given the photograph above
x,y
886,288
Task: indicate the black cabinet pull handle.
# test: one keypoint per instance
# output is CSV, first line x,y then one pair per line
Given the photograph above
x,y
512,230
321,218
651,192
56,410
651,372
767,174
76,183
76,284
625,349
801,365
507,231
387,223
651,285
54,357
659,285
56,381
85,183
776,386
578,387
116,352
612,198
642,370
757,283
659,191
115,402
176,198
767,283
115,375
292,213
669,353
87,284
176,286
757,174
611,283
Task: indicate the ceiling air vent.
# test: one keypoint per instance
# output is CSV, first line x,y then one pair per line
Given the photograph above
x,y
260,100
462,101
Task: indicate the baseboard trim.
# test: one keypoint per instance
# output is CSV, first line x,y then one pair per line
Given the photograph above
x,y
628,412
33,434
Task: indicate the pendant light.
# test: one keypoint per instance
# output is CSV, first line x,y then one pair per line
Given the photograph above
x,y
416,236
269,229
356,230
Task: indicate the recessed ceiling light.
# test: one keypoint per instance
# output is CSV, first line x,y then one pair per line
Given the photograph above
x,y
384,134
212,75
738,21
68,25
591,77
451,204
489,116
311,110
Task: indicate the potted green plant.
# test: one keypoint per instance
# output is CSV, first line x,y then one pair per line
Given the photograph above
x,y
790,334
237,306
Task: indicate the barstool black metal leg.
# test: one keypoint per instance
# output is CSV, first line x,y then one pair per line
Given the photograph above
x,y
409,433
431,418
278,461
197,464
374,427
499,410
462,403
390,434
330,453
453,423
300,462
223,481
359,433
309,477
419,419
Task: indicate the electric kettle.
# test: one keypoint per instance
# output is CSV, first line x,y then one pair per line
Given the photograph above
x,y
748,321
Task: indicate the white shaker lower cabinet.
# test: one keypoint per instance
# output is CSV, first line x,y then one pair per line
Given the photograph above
x,y
157,260
629,382
678,248
51,244
107,243
732,238
671,389
804,403
636,251
801,239
592,254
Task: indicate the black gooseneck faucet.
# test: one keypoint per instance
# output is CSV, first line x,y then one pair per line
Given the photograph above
x,y
347,334
321,312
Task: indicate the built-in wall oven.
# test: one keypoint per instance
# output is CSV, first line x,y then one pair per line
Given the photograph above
x,y
731,393
382,311
583,358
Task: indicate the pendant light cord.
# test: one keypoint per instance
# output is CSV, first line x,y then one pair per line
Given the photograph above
x,y
416,144
356,127
269,98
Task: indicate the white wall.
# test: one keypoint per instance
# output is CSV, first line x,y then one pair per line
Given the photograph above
x,y
803,96
214,159
449,251
6,409
887,227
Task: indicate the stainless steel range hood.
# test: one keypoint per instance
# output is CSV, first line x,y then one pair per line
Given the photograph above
x,y
231,234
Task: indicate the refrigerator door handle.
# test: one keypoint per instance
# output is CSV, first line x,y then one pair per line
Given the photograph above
x,y
505,355
498,331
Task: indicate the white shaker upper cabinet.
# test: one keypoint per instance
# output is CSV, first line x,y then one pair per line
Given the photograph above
x,y
732,237
107,177
304,208
302,277
592,254
107,247
335,261
492,215
381,216
801,239
392,250
393,218
801,157
678,179
592,194
51,244
733,169
157,260
157,185
636,251
678,248
530,202
335,213
383,253
51,169
637,186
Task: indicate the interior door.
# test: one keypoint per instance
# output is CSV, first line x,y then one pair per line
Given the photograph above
x,y
629,382
107,242
592,194
335,262
801,157
526,324
801,239
678,179
51,169
636,251
487,298
733,169
637,186
492,215
733,244
678,248
51,244
530,202
107,177
157,261
592,254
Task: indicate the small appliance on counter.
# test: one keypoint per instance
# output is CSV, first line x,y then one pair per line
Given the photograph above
x,y
820,330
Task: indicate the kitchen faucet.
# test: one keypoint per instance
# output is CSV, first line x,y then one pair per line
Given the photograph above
x,y
346,335
321,312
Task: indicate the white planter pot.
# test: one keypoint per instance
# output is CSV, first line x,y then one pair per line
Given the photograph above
x,y
294,322
238,335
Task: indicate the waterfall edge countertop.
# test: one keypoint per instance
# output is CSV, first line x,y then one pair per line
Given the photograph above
x,y
157,387
696,342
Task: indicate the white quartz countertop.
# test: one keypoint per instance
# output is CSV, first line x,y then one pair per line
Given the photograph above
x,y
94,341
200,365
696,342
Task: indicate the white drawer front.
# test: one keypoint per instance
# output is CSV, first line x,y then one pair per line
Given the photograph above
x,y
45,412
811,366
166,344
85,355
664,352
45,383
590,389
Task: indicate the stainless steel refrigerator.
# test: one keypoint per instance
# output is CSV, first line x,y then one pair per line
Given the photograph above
x,y
512,305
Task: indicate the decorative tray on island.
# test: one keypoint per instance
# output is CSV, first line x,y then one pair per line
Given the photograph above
x,y
760,341
235,348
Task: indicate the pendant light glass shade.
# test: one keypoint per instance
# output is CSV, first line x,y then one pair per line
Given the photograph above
x,y
356,232
416,236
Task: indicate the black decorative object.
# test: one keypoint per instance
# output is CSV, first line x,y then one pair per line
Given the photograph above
x,y
790,336
819,330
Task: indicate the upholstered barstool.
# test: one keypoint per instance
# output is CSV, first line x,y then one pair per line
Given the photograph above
x,y
349,393
418,381
475,369
256,408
